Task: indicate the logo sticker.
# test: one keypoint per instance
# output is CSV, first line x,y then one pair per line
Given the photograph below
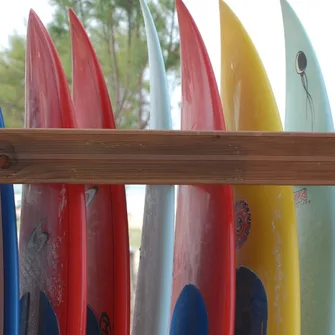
x,y
38,238
242,221
105,324
300,67
90,195
301,197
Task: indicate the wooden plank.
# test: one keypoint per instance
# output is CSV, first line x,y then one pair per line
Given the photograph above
x,y
165,157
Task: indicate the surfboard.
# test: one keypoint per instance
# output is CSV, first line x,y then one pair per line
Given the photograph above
x,y
52,245
107,218
154,279
267,279
308,109
203,296
9,262
2,275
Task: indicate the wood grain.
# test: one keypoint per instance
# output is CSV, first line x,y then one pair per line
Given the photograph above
x,y
165,157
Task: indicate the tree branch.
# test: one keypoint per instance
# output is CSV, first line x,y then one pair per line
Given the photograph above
x,y
112,51
172,27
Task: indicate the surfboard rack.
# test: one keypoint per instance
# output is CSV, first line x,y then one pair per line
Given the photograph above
x,y
77,156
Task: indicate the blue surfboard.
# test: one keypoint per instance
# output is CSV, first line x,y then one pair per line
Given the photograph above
x,y
10,258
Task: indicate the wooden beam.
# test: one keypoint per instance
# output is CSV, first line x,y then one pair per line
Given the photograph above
x,y
165,157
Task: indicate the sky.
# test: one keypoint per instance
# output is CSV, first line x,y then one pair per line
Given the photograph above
x,y
261,18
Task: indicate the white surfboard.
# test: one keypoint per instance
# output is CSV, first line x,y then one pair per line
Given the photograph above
x,y
154,283
307,109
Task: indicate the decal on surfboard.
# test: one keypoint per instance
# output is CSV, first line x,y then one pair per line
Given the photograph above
x,y
38,238
47,319
242,221
48,323
105,324
190,314
300,67
90,194
251,304
301,197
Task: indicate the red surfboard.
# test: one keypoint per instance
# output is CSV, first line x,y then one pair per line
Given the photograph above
x,y
52,243
107,219
203,298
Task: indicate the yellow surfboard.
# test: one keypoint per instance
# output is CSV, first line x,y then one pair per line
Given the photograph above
x,y
267,278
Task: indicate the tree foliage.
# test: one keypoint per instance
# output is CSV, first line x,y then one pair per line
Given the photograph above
x,y
12,65
116,29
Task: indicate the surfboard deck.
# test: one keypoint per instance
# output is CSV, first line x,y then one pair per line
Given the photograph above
x,y
308,109
9,268
267,283
52,245
107,218
203,298
154,278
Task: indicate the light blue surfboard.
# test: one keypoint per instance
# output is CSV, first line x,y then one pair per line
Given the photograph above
x,y
307,109
154,283
11,289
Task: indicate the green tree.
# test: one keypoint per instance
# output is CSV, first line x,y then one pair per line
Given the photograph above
x,y
116,29
12,65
